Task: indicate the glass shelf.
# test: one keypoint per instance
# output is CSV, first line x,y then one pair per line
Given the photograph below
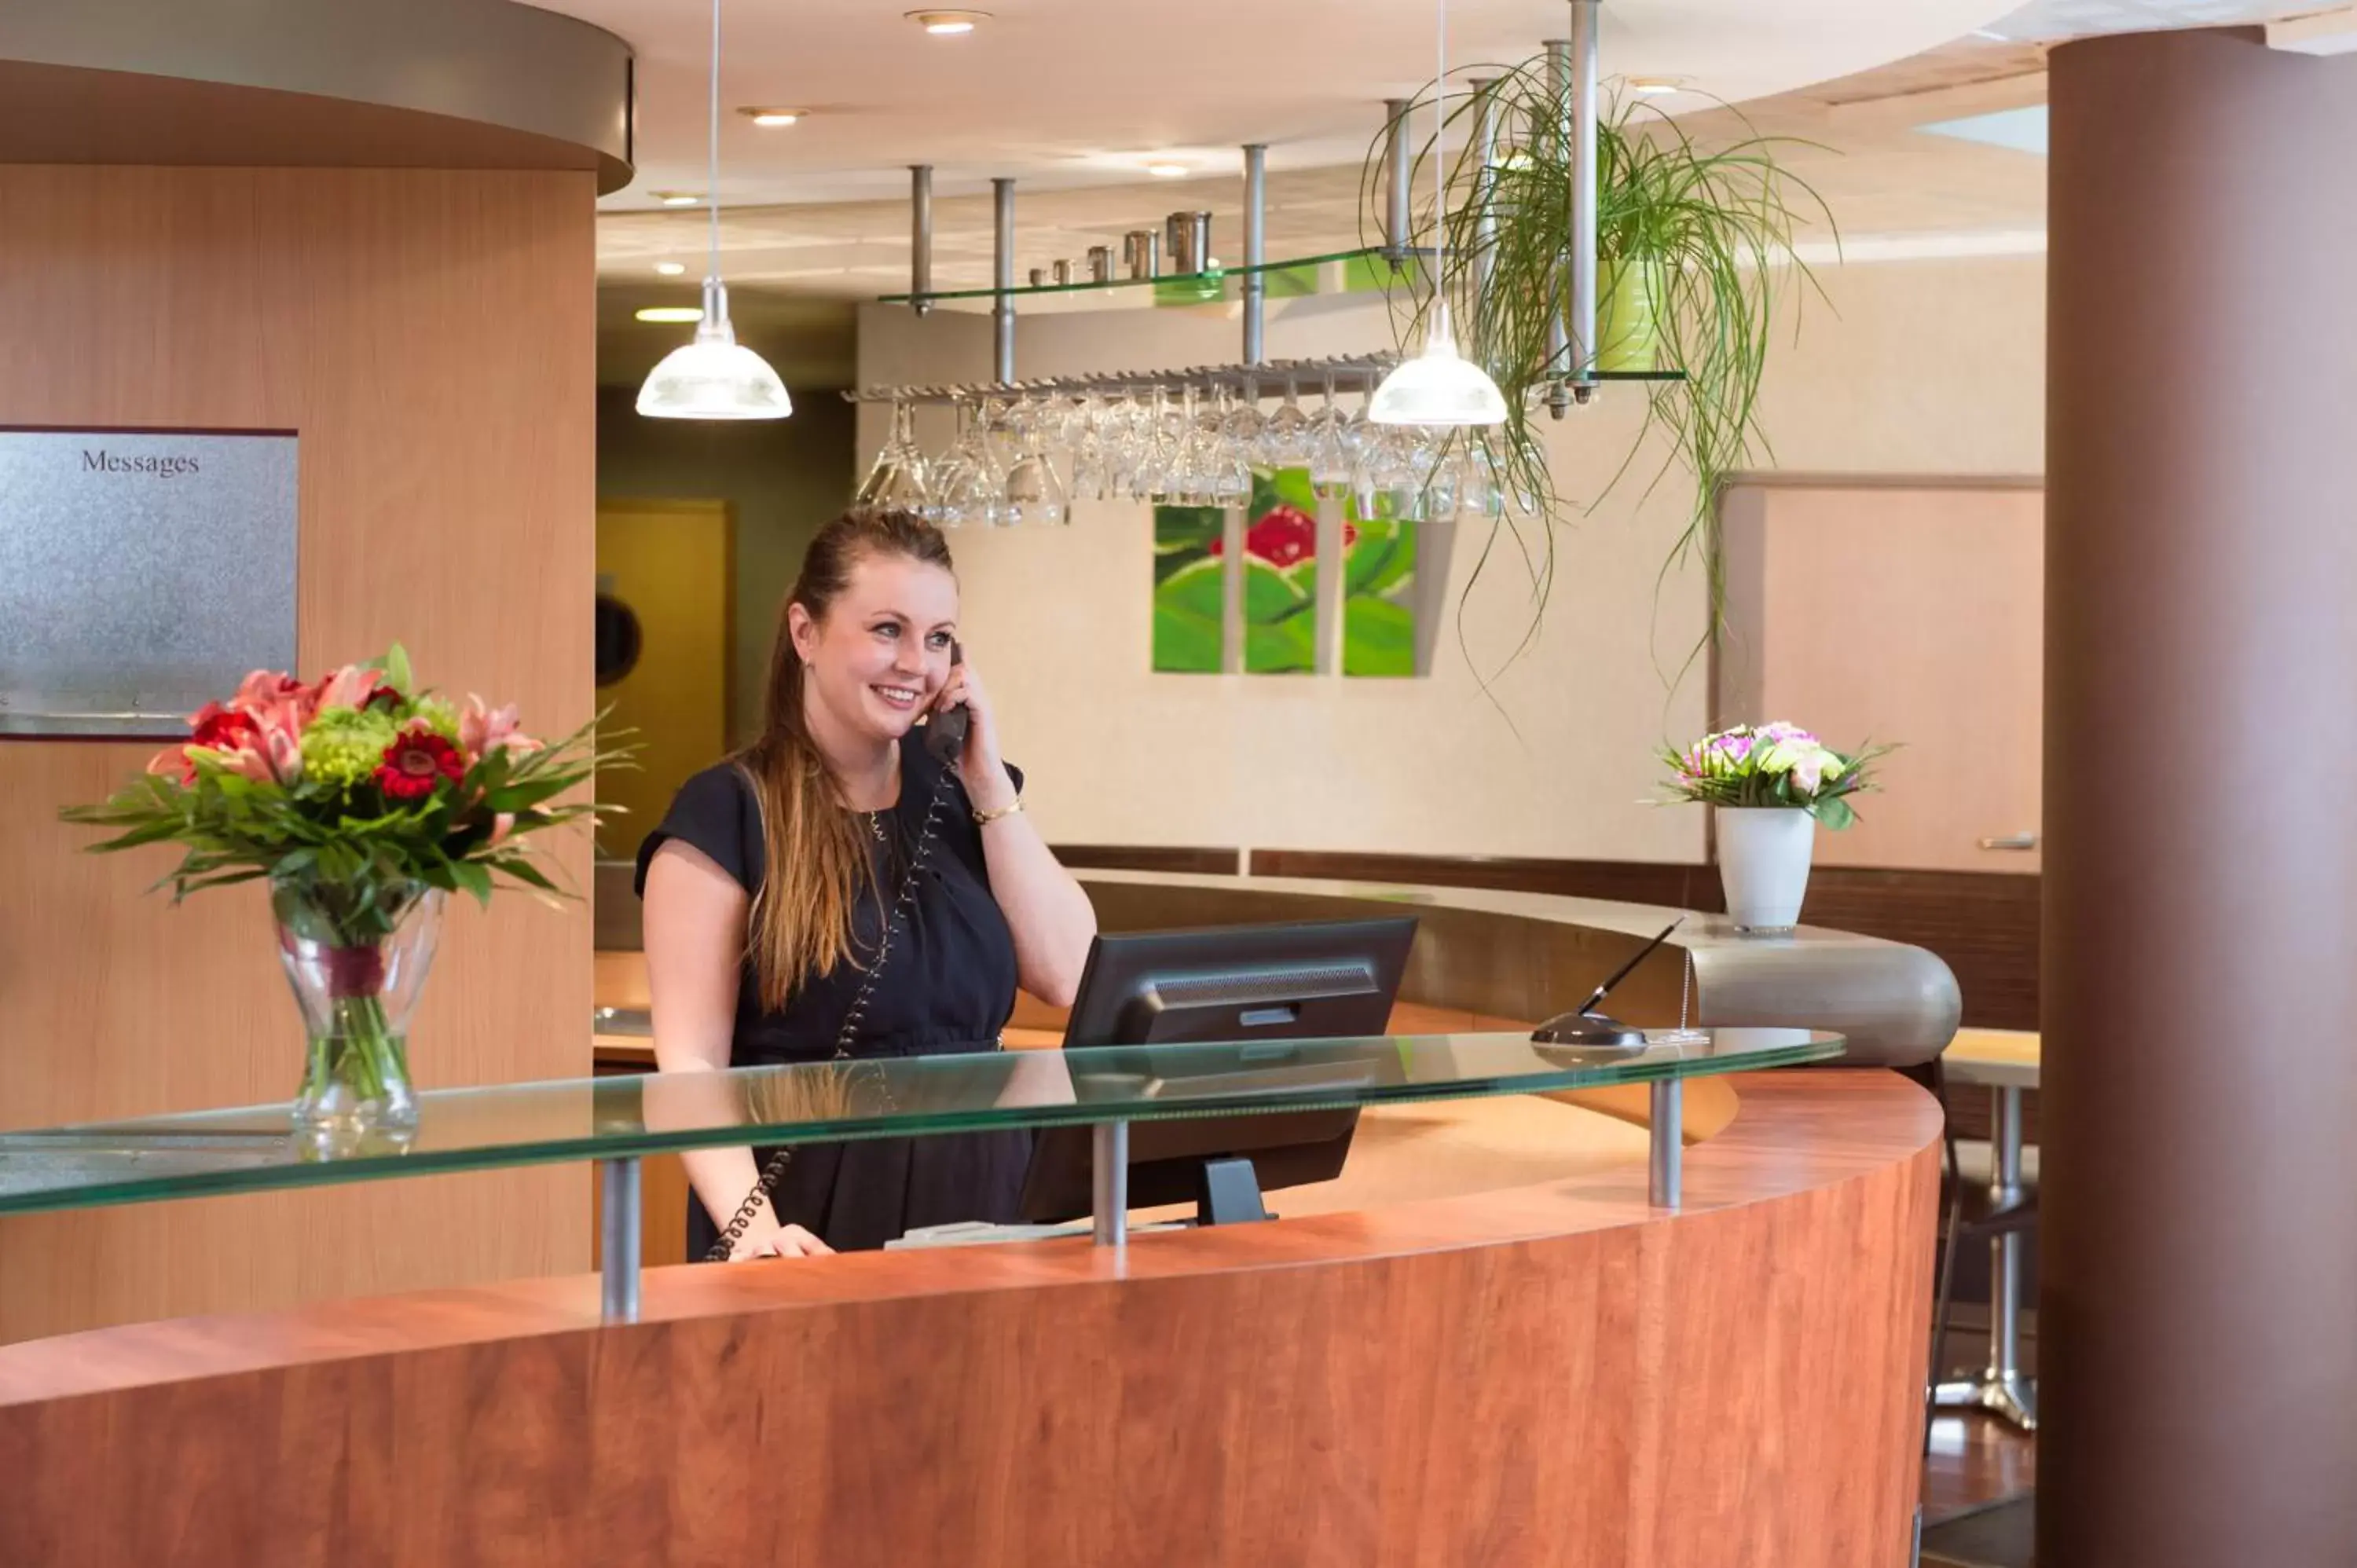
x,y
1185,281
254,1149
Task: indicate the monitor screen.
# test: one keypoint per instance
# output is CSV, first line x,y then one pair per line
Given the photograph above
x,y
1301,981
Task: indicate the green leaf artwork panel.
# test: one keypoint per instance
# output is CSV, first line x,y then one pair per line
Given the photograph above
x,y
1280,575
1379,621
1189,590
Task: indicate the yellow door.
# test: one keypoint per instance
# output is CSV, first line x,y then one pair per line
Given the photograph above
x,y
666,638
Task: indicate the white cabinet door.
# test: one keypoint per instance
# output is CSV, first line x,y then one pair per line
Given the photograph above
x,y
1906,614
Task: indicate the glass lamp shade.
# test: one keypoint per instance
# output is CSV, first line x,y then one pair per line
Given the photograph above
x,y
715,377
1438,386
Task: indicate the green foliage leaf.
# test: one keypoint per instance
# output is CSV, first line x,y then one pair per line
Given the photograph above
x,y
1286,647
1282,487
1274,594
1834,813
1378,636
1381,558
1190,608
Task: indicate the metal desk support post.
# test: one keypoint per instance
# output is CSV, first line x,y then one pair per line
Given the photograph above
x,y
618,1241
1109,1177
2001,1390
1666,1168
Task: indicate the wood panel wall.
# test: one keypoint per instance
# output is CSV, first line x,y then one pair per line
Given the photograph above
x,y
430,336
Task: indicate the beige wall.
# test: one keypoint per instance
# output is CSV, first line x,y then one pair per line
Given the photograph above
x,y
428,336
781,480
1924,366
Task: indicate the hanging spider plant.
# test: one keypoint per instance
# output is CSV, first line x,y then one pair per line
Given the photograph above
x,y
1694,250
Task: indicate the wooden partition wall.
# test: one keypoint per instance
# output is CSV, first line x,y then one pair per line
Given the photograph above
x,y
430,336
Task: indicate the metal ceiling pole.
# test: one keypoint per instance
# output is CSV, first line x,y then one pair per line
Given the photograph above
x,y
920,237
1002,303
1485,187
1255,251
1558,360
1585,17
1395,193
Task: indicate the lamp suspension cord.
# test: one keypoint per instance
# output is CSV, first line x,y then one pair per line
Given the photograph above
x,y
712,161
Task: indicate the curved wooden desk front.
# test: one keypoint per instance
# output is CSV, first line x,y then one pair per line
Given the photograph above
x,y
1546,1373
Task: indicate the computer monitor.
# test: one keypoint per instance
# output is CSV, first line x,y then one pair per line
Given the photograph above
x,y
1301,981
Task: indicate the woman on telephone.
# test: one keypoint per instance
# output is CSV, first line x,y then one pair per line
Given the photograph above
x,y
835,890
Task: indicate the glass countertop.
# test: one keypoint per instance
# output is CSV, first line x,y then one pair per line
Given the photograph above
x,y
255,1148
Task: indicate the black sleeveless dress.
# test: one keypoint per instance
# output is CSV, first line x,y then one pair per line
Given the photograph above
x,y
948,986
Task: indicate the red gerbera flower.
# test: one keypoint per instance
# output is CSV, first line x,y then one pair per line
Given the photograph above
x,y
416,761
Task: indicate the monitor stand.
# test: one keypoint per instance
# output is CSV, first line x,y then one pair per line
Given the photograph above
x,y
1229,1193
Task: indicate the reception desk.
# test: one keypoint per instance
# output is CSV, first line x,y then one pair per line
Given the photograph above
x,y
1524,1359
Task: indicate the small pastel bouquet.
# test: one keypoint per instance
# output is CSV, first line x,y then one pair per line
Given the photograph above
x,y
363,799
1773,766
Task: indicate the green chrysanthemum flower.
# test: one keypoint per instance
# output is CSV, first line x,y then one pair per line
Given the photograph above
x,y
343,745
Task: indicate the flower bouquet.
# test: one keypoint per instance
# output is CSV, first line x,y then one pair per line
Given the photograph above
x,y
1772,787
363,799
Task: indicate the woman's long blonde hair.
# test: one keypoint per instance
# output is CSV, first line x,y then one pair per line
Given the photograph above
x,y
815,859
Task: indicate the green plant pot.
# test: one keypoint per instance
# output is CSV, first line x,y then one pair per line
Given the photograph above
x,y
1628,324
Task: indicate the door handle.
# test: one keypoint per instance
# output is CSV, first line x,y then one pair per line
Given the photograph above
x,y
2011,841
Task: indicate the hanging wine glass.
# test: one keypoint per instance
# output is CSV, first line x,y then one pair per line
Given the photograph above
x,y
968,490
1090,442
1480,488
1243,423
1033,493
1228,454
897,478
1329,458
1285,435
1159,441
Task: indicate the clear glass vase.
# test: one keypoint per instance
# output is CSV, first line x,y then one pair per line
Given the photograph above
x,y
356,956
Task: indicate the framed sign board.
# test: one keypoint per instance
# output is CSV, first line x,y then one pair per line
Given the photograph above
x,y
143,573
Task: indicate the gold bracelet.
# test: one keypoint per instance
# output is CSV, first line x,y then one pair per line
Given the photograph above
x,y
985,819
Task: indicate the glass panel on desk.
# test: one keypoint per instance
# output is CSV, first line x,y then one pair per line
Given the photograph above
x,y
254,1148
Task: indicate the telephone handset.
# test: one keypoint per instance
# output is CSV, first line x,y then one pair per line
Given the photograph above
x,y
945,731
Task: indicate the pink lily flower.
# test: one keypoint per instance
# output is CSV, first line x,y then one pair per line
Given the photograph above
x,y
482,730
349,687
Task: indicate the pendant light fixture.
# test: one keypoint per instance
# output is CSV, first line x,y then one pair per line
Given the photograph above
x,y
715,377
1438,386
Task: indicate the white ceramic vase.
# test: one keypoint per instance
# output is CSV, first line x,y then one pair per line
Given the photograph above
x,y
1763,864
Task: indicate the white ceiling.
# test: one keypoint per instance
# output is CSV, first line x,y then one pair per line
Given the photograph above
x,y
818,211
1072,92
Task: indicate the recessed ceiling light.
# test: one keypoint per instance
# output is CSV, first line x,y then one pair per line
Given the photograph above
x,y
773,116
670,269
1654,86
678,315
677,198
1168,171
946,24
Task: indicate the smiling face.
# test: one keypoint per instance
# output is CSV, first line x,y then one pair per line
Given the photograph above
x,y
879,656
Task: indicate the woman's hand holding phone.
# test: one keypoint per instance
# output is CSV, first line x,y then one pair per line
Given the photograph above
x,y
979,765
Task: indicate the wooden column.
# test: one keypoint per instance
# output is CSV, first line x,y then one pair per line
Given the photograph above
x,y
429,334
2198,1312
